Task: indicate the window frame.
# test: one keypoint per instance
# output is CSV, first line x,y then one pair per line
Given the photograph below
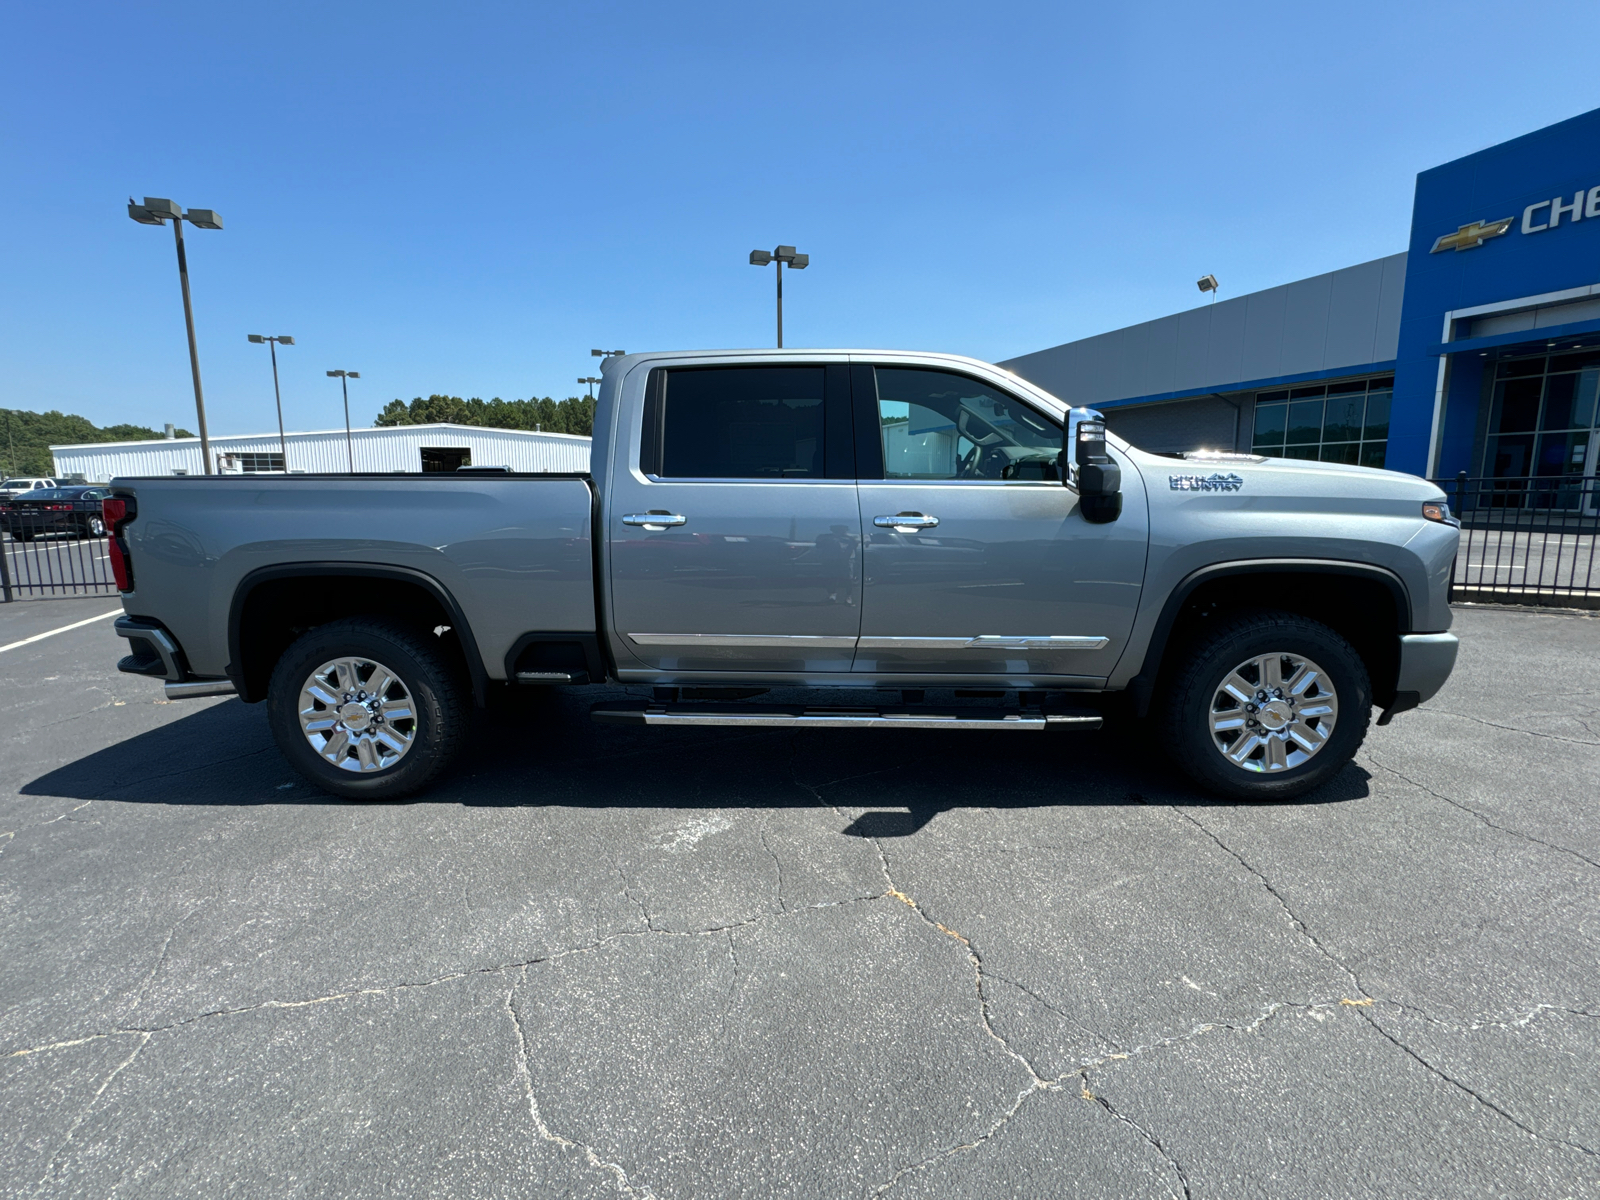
x,y
869,430
1518,369
1284,398
838,444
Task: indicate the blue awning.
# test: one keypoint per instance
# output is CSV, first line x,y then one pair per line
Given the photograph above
x,y
1549,333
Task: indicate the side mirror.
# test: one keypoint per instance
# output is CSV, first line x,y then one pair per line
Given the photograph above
x,y
1087,465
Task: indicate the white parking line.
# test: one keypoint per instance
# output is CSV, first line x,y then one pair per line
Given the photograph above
x,y
52,632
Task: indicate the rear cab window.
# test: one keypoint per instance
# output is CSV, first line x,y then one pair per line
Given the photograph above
x,y
778,423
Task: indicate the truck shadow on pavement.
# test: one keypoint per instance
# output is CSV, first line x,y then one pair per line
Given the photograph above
x,y
882,784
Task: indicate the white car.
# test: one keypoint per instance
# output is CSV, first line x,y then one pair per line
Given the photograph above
x,y
15,487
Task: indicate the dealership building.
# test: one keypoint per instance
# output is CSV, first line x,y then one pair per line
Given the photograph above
x,y
1475,350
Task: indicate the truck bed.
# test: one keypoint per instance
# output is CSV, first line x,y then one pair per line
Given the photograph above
x,y
514,551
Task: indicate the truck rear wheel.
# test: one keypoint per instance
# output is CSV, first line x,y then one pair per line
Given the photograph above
x,y
1266,706
367,709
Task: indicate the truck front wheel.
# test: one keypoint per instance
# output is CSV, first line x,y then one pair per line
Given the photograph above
x,y
367,709
1266,706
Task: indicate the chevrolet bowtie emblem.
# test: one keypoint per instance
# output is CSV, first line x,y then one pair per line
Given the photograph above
x,y
1471,235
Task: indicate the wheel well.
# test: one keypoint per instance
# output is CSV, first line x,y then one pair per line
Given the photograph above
x,y
271,614
1360,608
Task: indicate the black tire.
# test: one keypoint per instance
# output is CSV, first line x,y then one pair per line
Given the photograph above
x,y
1184,717
93,527
438,693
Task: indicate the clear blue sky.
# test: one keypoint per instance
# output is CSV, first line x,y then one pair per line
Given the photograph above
x,y
467,198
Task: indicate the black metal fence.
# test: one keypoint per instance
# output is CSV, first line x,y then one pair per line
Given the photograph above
x,y
1527,540
54,564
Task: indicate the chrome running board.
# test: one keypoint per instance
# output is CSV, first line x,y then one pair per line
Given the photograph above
x,y
781,717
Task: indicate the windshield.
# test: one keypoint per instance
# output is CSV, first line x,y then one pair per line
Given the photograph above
x,y
23,484
53,494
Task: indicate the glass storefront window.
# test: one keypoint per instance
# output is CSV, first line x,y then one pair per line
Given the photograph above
x,y
1345,422
1554,395
1377,427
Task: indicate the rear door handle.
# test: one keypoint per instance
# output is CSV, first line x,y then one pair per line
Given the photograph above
x,y
654,520
906,520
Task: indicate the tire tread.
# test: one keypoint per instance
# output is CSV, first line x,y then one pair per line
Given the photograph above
x,y
1190,684
445,682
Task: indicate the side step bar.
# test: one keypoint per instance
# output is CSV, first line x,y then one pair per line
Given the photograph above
x,y
782,717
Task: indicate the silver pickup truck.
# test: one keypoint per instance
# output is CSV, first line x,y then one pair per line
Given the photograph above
x,y
761,530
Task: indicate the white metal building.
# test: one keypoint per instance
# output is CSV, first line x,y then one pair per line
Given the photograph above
x,y
440,447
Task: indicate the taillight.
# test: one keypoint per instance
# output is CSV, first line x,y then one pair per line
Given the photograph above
x,y
119,565
117,513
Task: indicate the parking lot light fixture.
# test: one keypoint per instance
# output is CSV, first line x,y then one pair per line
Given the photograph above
x,y
782,255
274,342
158,211
343,377
606,353
591,380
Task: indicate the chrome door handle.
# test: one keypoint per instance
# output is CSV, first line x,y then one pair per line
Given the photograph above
x,y
654,520
906,520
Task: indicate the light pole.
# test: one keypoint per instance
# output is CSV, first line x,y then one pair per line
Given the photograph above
x,y
1208,283
783,254
273,343
155,211
606,353
343,377
591,380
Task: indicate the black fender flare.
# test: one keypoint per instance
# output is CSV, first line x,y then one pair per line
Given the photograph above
x,y
304,570
1142,685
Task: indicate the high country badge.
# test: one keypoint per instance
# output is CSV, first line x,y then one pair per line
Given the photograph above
x,y
1206,483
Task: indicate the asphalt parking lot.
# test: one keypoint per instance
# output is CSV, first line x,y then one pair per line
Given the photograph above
x,y
601,961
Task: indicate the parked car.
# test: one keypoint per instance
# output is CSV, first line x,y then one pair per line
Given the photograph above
x,y
916,527
70,510
15,487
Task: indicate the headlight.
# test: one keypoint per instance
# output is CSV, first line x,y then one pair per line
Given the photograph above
x,y
1439,510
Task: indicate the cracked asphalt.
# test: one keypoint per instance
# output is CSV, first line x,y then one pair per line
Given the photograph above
x,y
601,961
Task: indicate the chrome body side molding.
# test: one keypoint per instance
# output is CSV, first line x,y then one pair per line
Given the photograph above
x,y
986,641
744,640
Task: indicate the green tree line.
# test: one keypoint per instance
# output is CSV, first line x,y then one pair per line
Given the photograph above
x,y
26,438
575,414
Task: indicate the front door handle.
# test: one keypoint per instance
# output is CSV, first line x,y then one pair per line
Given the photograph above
x,y
654,519
905,521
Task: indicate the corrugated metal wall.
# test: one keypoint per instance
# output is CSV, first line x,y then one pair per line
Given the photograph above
x,y
397,448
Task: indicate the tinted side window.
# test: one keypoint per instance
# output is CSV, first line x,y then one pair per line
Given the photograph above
x,y
937,425
742,423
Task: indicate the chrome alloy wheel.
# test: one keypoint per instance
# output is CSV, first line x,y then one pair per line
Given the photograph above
x,y
1273,713
357,715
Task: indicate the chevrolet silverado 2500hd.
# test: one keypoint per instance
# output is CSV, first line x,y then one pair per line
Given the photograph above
x,y
902,524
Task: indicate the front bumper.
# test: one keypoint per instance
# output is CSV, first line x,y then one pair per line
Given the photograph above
x,y
1426,660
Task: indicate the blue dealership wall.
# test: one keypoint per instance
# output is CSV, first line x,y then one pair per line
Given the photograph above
x,y
1500,182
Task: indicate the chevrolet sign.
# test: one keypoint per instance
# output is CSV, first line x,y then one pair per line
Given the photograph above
x,y
1469,236
1536,218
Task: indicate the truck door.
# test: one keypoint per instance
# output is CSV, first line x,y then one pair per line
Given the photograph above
x,y
977,561
735,536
